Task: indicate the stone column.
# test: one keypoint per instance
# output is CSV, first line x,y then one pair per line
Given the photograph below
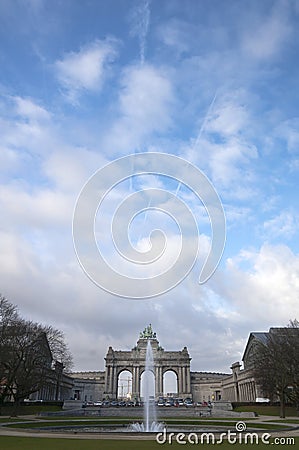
x,y
250,391
157,381
110,389
114,383
180,381
188,380
184,380
242,393
106,379
134,387
254,391
137,388
161,380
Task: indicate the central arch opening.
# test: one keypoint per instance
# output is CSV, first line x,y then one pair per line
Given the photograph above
x,y
147,385
170,384
124,386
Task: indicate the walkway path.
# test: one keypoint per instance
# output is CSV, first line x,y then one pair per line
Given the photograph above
x,y
6,431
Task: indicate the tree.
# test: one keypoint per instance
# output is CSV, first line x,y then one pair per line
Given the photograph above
x,y
276,363
27,353
293,392
28,365
59,349
8,317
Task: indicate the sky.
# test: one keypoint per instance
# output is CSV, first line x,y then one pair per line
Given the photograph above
x,y
216,83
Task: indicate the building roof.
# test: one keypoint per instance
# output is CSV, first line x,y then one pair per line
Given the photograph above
x,y
255,335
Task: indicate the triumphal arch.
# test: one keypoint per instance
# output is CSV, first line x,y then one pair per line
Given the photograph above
x,y
134,361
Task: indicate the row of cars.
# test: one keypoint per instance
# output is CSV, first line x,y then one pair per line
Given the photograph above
x,y
167,402
171,401
187,402
113,403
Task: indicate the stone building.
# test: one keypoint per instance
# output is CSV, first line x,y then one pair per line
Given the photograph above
x,y
200,386
134,362
237,386
88,386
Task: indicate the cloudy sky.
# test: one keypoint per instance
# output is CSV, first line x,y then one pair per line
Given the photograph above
x,y
216,83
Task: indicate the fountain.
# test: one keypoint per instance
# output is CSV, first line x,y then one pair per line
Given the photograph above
x,y
150,423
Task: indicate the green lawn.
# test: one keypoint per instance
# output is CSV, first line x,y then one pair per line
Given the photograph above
x,y
283,420
24,443
28,410
11,419
124,422
266,410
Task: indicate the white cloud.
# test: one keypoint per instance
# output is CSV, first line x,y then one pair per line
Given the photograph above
x,y
229,116
28,109
145,97
26,127
145,107
176,34
41,208
70,167
228,161
265,37
8,160
85,69
283,226
225,148
266,289
288,130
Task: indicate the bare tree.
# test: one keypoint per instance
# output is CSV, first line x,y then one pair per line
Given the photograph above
x,y
293,392
27,353
59,348
276,363
8,317
8,312
28,366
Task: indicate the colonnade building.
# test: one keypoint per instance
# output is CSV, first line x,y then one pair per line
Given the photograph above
x,y
238,385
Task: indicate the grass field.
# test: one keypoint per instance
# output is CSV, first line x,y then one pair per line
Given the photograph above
x,y
37,443
28,410
24,443
120,423
283,420
266,410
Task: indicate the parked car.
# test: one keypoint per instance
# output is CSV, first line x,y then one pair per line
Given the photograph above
x,y
130,404
188,403
114,403
161,402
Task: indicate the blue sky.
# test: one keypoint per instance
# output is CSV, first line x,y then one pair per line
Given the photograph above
x,y
216,83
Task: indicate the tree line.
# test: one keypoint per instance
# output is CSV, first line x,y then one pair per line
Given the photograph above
x,y
276,365
29,354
